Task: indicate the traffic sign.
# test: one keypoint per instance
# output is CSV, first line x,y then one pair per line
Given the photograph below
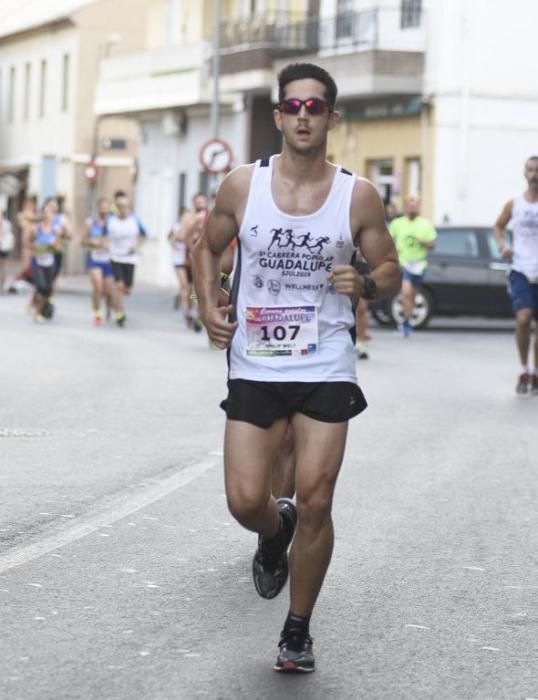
x,y
90,171
216,156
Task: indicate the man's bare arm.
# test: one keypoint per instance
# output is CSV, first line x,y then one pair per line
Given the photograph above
x,y
499,229
373,239
220,229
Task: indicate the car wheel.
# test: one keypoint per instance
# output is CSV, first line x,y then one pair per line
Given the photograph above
x,y
422,312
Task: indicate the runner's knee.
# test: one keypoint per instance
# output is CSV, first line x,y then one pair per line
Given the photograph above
x,y
524,317
314,509
245,507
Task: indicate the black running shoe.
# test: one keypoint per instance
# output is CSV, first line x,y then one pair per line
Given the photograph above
x,y
270,569
295,655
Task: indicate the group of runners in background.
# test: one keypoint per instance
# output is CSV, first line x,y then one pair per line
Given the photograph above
x,y
112,237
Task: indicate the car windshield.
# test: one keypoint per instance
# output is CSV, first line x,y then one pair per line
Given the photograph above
x,y
460,242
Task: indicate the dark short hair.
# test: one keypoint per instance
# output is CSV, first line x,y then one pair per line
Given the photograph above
x,y
302,71
119,193
531,158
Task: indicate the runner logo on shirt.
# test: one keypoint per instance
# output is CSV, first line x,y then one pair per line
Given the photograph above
x,y
295,253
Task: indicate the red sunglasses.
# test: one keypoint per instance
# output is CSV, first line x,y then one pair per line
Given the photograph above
x,y
313,105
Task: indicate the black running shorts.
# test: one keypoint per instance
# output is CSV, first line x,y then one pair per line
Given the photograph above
x,y
123,272
262,403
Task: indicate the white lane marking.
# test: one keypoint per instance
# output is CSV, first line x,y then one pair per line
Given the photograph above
x,y
117,508
490,648
419,627
520,588
473,568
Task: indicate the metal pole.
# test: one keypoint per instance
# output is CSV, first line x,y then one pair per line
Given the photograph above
x,y
215,105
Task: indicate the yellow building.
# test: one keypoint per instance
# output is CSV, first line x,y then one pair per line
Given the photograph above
x,y
394,152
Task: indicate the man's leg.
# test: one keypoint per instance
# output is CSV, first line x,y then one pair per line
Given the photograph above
x,y
284,467
408,298
523,334
96,277
523,341
319,452
249,453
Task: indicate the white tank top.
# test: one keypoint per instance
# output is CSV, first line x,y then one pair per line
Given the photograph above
x,y
179,248
525,234
292,324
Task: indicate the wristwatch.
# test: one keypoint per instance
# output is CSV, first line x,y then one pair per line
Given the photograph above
x,y
369,287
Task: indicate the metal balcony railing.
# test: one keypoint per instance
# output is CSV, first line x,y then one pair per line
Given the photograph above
x,y
378,28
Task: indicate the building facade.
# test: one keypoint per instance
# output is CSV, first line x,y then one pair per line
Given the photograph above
x,y
49,59
168,90
430,107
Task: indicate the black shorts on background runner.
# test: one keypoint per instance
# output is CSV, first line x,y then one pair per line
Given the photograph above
x,y
262,403
123,272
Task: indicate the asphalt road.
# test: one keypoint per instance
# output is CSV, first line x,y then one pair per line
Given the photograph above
x,y
122,576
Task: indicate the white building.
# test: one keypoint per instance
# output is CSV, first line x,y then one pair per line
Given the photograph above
x,y
482,82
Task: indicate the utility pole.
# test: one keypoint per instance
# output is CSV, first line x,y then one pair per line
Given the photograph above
x,y
215,105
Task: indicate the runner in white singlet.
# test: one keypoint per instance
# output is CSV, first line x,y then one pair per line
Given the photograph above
x,y
290,333
521,216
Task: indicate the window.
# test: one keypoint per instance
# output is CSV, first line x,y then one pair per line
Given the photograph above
x,y
412,177
410,13
381,173
42,88
27,79
457,242
65,82
344,19
11,95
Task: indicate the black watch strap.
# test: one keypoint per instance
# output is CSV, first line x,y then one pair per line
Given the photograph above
x,y
370,287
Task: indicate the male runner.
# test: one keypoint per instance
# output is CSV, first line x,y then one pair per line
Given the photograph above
x,y
126,236
522,211
414,235
290,337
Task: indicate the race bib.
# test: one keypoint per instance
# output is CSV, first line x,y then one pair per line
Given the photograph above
x,y
415,267
100,256
45,259
282,331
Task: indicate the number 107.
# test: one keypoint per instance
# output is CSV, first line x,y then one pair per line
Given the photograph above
x,y
280,332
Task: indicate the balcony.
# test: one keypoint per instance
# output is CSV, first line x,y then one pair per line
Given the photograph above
x,y
138,82
368,53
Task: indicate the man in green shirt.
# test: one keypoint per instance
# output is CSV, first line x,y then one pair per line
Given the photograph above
x,y
414,236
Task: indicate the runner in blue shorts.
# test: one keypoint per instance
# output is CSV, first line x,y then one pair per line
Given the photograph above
x,y
522,215
98,260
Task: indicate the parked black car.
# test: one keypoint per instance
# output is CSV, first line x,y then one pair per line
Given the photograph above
x,y
465,276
